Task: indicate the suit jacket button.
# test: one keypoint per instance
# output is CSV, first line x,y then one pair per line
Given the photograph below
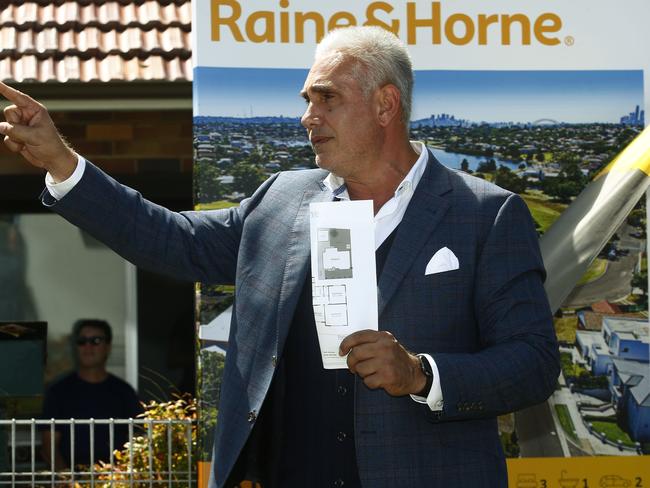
x,y
274,361
252,416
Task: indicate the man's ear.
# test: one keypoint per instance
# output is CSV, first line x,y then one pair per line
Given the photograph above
x,y
388,103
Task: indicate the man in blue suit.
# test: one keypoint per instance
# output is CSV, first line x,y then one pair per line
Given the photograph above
x,y
465,328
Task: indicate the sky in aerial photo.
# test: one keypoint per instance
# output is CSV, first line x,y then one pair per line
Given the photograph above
x,y
476,96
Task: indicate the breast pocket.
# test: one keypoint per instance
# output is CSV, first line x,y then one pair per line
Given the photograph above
x,y
434,308
427,291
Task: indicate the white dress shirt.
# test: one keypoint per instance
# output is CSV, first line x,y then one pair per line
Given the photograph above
x,y
61,189
386,220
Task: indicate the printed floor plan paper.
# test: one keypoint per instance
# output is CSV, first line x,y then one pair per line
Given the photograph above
x,y
344,282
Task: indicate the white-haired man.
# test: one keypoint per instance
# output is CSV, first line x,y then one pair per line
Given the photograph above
x,y
455,349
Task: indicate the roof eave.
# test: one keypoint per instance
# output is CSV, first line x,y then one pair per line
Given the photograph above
x,y
114,96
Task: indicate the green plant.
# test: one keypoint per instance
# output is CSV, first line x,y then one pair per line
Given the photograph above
x,y
588,381
569,368
211,367
145,460
565,420
510,444
613,432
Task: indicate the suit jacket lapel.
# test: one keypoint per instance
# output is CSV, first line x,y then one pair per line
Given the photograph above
x,y
423,214
298,262
426,209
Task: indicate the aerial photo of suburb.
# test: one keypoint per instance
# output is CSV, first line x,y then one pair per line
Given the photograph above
x,y
541,134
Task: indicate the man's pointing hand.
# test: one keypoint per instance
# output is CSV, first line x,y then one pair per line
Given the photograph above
x,y
29,130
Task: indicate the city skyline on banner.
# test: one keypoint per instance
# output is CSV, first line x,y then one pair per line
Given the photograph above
x,y
581,96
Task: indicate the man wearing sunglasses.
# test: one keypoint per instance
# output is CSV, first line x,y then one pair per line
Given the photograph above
x,y
88,392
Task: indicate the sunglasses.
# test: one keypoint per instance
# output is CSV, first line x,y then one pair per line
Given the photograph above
x,y
94,340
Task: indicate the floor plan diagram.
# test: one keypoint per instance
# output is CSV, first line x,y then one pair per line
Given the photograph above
x,y
330,305
334,254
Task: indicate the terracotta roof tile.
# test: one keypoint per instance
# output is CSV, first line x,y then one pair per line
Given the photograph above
x,y
604,306
112,13
132,41
86,40
110,68
594,320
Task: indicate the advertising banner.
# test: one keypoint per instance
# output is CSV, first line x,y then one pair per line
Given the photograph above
x,y
536,96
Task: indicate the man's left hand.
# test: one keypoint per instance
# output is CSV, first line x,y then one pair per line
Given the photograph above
x,y
382,362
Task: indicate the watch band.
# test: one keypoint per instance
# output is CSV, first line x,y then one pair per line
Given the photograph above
x,y
428,373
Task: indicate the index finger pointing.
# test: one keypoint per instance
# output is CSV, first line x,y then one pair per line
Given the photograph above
x,y
15,96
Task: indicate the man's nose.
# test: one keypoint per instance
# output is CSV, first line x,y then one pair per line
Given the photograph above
x,y
310,118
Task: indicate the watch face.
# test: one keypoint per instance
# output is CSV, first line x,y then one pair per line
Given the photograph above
x,y
426,367
428,373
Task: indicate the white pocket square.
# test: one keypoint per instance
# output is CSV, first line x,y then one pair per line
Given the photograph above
x,y
443,260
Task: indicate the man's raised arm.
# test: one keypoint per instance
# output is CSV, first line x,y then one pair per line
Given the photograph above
x,y
192,246
30,131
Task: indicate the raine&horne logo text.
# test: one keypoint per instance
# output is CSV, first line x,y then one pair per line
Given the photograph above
x,y
285,25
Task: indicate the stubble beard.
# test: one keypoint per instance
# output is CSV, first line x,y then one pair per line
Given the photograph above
x,y
318,161
326,165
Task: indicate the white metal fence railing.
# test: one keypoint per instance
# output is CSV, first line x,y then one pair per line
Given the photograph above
x,y
158,454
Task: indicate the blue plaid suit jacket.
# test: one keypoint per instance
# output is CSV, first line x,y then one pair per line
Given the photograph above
x,y
487,324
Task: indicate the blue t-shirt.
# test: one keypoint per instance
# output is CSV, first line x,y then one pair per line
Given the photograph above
x,y
72,397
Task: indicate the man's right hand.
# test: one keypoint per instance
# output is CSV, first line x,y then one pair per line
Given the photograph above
x,y
30,131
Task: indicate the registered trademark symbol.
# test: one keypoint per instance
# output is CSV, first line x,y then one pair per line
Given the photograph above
x,y
569,40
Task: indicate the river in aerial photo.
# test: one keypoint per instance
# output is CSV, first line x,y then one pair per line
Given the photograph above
x,y
453,160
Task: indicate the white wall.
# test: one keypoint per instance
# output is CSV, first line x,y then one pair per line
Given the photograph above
x,y
69,280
